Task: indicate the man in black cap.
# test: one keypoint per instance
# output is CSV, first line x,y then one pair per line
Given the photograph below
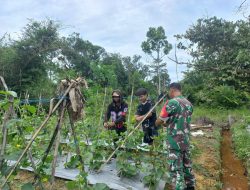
x,y
148,125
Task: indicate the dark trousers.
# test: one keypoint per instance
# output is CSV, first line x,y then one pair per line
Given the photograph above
x,y
149,134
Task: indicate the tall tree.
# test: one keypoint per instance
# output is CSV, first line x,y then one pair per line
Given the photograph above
x,y
28,57
157,47
115,60
220,48
80,53
137,71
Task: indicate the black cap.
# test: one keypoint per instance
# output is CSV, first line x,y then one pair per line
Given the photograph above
x,y
141,91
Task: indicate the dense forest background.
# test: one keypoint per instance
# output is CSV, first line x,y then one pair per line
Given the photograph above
x,y
218,74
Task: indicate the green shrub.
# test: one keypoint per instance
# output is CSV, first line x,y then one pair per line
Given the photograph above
x,y
221,97
241,139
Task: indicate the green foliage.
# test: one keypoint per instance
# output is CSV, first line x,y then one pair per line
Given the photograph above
x,y
100,186
124,167
73,162
137,73
12,93
221,97
37,61
220,55
41,58
104,74
32,53
241,139
80,183
27,186
157,47
156,41
226,97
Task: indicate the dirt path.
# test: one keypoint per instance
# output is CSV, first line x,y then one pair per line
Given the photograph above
x,y
206,160
233,177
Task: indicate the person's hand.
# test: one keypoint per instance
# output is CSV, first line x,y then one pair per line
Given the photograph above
x,y
112,124
139,118
106,125
142,117
164,127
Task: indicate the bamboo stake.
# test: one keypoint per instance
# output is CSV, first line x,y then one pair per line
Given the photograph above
x,y
130,104
32,161
7,116
20,131
36,133
39,107
3,83
35,169
78,151
46,153
123,142
30,154
103,104
57,144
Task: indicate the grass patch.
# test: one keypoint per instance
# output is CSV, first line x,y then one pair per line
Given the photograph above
x,y
220,115
241,139
241,142
240,135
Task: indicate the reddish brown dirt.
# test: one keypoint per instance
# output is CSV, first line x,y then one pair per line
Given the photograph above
x,y
232,168
207,169
27,177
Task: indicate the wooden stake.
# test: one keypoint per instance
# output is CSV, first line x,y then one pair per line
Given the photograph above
x,y
36,133
130,104
103,104
7,116
52,140
57,143
3,83
78,151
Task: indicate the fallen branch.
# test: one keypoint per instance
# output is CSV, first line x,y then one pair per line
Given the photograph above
x,y
201,127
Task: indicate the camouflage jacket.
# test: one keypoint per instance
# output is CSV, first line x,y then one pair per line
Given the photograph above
x,y
177,115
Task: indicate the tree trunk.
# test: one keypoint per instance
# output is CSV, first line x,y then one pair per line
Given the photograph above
x,y
158,72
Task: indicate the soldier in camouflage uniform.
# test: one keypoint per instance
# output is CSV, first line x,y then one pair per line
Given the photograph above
x,y
176,115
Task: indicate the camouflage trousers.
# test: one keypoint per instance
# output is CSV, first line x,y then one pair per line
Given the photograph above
x,y
180,169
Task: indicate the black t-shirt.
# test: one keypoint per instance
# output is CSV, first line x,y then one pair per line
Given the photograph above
x,y
117,114
143,109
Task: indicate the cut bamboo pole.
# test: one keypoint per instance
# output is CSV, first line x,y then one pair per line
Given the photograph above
x,y
36,133
78,151
130,104
7,115
103,104
57,144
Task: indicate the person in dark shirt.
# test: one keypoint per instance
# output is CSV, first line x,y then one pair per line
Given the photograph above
x,y
148,125
116,112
